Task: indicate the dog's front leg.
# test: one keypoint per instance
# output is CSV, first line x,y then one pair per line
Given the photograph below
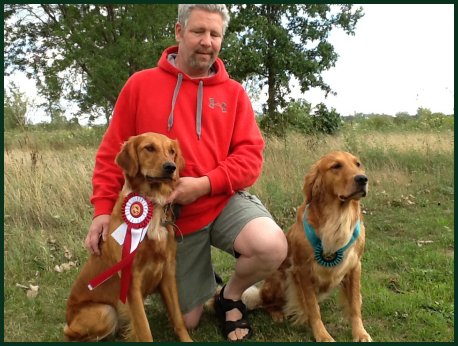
x,y
309,303
168,289
351,289
140,329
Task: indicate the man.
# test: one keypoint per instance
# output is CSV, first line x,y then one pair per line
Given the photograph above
x,y
190,96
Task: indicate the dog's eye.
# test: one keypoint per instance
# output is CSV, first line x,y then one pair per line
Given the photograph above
x,y
358,164
172,151
337,165
150,148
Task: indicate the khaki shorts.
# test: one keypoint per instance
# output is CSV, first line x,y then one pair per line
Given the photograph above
x,y
195,277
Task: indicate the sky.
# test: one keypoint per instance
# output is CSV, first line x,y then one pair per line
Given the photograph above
x,y
400,58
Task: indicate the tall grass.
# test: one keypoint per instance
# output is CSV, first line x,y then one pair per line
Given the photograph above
x,y
41,139
408,267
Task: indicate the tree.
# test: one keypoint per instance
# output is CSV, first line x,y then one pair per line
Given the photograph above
x,y
15,105
85,53
296,116
423,113
326,121
271,43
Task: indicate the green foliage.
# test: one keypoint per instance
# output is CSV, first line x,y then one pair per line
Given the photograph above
x,y
15,105
423,120
274,125
401,118
428,119
379,122
326,121
423,113
85,53
300,117
271,43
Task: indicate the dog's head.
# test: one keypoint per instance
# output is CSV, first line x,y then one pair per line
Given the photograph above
x,y
150,158
338,175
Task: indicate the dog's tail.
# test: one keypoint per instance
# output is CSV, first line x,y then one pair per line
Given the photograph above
x,y
218,279
252,298
93,322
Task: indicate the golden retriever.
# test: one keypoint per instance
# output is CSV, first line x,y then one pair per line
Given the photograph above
x,y
151,164
330,218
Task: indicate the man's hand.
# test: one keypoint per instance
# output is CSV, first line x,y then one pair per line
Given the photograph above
x,y
189,189
98,228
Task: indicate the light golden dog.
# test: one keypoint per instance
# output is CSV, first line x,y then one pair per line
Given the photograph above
x,y
325,248
151,163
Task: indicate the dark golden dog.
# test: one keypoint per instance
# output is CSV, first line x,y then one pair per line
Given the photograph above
x,y
325,248
151,163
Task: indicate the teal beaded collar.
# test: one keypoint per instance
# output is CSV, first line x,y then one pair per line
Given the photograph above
x,y
316,244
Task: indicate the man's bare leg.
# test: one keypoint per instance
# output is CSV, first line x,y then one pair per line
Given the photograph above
x,y
262,247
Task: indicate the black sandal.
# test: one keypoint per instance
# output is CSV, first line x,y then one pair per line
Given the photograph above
x,y
223,305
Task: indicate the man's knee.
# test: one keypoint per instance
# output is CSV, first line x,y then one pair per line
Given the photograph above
x,y
275,248
263,238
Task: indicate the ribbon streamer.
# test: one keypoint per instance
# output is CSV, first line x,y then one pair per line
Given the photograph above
x,y
136,213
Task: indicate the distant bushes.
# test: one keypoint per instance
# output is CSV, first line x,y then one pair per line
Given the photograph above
x,y
300,117
423,120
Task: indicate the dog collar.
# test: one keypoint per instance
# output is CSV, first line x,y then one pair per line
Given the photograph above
x,y
318,248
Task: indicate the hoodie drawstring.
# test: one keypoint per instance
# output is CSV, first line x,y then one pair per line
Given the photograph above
x,y
199,109
200,92
174,100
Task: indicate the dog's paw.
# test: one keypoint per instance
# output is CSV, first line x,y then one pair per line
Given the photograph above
x,y
362,337
326,339
277,316
323,336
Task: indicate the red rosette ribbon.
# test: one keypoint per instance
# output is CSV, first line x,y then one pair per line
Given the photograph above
x,y
136,211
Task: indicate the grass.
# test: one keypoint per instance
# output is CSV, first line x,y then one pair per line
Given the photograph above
x,y
408,264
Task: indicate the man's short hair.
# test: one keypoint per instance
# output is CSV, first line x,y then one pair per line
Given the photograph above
x,y
184,11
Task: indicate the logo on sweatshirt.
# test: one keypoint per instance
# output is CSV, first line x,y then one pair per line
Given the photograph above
x,y
221,105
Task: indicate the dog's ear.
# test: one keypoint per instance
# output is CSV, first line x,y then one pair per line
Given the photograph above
x,y
179,160
312,184
127,158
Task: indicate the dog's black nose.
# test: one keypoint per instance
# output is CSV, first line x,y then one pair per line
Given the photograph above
x,y
169,167
361,179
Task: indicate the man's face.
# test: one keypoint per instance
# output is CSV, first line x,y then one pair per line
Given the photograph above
x,y
199,42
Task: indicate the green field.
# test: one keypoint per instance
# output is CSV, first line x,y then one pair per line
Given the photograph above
x,y
408,265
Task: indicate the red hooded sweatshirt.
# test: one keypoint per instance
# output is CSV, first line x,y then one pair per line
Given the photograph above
x,y
213,120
